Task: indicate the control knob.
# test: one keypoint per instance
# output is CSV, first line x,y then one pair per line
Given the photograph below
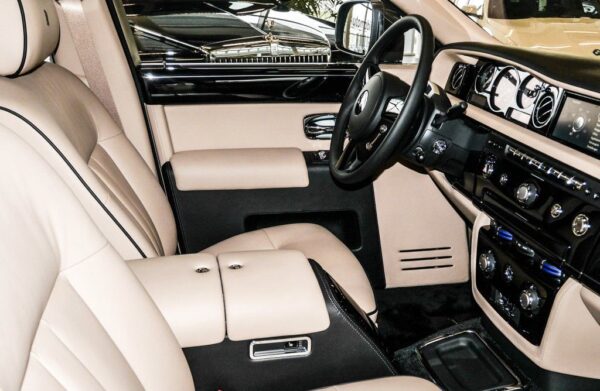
x,y
526,193
487,262
578,124
530,299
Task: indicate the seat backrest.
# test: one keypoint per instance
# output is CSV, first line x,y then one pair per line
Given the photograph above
x,y
64,121
72,314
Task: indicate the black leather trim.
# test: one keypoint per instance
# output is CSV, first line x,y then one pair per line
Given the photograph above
x,y
83,182
24,23
576,71
347,351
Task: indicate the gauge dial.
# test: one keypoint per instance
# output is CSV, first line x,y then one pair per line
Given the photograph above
x,y
529,90
505,90
485,78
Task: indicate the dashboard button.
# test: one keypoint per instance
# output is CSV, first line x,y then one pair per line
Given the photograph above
x,y
580,225
556,211
489,166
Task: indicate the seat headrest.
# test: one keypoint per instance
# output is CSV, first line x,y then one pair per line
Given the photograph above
x,y
29,33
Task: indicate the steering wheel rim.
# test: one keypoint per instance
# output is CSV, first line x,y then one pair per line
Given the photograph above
x,y
358,113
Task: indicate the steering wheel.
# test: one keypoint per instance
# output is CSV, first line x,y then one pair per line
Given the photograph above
x,y
371,142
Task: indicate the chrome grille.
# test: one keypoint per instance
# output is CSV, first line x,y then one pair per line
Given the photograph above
x,y
274,60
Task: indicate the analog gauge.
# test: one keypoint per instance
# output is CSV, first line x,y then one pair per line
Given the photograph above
x,y
504,90
529,90
484,79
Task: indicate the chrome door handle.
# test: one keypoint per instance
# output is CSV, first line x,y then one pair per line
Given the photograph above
x,y
319,126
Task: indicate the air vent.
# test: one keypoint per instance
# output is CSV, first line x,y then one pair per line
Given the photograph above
x,y
542,113
426,258
458,77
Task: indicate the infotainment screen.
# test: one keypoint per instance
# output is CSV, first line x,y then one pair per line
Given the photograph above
x,y
579,125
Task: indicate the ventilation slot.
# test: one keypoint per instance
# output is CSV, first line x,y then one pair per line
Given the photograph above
x,y
426,258
459,77
542,114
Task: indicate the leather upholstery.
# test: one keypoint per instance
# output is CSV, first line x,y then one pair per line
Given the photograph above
x,y
64,322
394,383
29,31
63,120
190,301
316,243
233,169
271,294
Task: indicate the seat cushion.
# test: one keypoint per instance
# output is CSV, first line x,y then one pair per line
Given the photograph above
x,y
395,383
316,243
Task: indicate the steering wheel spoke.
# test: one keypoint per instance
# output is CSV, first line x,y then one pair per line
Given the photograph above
x,y
349,159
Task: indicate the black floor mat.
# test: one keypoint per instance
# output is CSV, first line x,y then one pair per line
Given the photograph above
x,y
407,315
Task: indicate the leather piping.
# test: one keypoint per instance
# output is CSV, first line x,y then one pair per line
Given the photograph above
x,y
83,182
24,23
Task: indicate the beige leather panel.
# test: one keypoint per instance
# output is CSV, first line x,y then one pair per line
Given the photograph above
x,y
70,116
271,294
190,301
234,169
231,126
72,315
571,340
423,239
396,383
26,45
316,243
459,200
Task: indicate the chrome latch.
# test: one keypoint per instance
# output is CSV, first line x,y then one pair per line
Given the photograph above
x,y
273,349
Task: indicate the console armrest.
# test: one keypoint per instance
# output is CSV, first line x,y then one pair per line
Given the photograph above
x,y
233,169
187,291
271,294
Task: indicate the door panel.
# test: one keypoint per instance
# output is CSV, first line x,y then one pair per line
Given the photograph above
x,y
197,127
207,217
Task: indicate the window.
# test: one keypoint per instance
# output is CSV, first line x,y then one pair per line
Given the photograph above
x,y
566,26
297,31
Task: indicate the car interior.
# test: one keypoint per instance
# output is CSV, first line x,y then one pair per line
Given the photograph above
x,y
253,195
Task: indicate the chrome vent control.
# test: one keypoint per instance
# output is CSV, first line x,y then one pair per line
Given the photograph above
x,y
526,193
529,299
487,262
542,113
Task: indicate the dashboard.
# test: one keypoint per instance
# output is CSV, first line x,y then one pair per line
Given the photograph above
x,y
525,153
530,102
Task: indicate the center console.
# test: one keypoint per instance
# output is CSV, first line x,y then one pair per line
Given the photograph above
x,y
544,229
263,320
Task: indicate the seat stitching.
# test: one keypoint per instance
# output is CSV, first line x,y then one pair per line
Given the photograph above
x,y
353,327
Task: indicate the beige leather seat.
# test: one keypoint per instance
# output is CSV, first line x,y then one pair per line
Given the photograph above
x,y
72,314
56,113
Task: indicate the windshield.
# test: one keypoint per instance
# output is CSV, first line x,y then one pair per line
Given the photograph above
x,y
571,27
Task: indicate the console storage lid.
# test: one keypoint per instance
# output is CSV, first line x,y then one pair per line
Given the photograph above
x,y
271,294
187,291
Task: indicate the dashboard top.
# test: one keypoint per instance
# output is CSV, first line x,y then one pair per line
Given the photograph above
x,y
529,100
575,71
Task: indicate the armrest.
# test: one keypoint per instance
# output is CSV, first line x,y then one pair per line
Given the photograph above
x,y
191,301
271,294
234,169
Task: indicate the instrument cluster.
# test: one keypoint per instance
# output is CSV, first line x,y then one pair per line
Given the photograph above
x,y
508,92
